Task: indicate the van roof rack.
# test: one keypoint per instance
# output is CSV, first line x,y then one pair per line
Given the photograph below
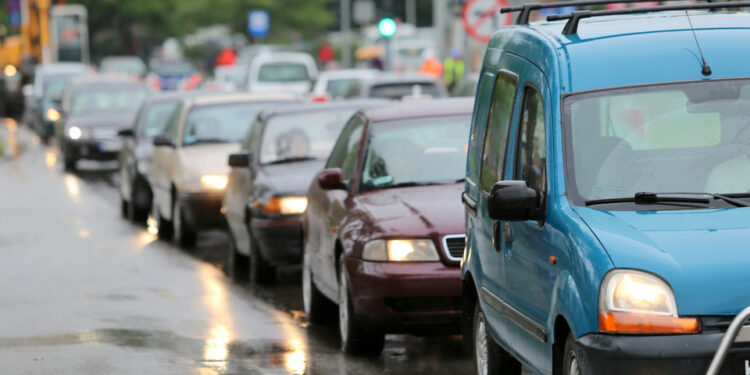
x,y
526,9
571,27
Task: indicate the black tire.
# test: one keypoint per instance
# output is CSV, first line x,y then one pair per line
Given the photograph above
x,y
571,359
354,338
138,215
184,234
261,272
318,308
238,265
70,164
489,357
124,208
163,226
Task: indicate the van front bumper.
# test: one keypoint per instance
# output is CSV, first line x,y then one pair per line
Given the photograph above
x,y
668,354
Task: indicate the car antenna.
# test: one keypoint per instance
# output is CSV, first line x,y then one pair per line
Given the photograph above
x,y
706,69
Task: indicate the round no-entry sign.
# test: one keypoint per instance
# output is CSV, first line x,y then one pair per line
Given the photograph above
x,y
482,17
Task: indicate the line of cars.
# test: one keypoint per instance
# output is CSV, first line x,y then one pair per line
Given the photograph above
x,y
355,190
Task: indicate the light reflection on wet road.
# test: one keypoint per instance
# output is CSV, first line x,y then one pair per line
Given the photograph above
x,y
85,292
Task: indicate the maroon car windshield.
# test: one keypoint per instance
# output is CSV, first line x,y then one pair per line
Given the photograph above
x,y
416,152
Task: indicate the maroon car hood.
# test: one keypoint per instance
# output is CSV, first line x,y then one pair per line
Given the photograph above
x,y
413,211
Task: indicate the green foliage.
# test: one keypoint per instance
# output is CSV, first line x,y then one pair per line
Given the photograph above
x,y
159,19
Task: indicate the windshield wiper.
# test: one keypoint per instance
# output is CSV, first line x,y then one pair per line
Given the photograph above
x,y
654,198
291,160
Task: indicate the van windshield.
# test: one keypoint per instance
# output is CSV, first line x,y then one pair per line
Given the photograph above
x,y
681,137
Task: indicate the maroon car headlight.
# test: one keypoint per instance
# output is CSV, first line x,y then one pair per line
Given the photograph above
x,y
401,250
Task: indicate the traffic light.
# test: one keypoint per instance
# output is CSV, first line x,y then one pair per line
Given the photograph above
x,y
387,27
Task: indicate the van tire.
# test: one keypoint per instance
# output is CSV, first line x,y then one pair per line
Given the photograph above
x,y
489,357
572,358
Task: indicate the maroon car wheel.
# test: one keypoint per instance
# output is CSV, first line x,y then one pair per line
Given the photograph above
x,y
354,339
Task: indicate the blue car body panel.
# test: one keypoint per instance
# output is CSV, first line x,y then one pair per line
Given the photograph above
x,y
700,253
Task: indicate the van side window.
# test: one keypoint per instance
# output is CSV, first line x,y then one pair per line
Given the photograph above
x,y
251,140
496,139
479,121
344,154
532,143
173,128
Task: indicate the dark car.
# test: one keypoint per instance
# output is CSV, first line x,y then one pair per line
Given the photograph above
x,y
137,148
94,111
49,82
400,86
169,75
384,227
265,195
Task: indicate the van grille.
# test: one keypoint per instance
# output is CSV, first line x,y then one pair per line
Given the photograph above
x,y
454,246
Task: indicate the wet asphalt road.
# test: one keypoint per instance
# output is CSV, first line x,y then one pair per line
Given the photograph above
x,y
82,291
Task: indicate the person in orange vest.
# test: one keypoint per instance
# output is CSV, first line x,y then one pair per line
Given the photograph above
x,y
226,57
432,67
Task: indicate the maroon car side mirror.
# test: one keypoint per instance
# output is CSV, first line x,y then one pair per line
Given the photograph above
x,y
331,179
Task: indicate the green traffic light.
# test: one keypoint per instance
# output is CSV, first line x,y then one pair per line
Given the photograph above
x,y
387,27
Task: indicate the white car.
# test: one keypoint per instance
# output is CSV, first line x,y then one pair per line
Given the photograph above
x,y
188,171
289,72
342,84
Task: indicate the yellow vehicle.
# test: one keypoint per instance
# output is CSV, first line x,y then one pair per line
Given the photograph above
x,y
46,34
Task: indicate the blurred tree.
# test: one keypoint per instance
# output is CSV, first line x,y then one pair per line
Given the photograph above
x,y
123,24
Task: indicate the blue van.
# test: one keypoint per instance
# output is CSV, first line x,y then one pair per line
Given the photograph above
x,y
607,186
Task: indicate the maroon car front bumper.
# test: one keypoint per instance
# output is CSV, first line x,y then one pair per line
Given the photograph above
x,y
415,298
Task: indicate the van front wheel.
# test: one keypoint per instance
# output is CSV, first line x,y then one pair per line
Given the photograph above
x,y
489,357
571,363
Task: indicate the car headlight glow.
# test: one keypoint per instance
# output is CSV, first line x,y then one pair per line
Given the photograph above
x,y
52,114
214,181
10,70
285,205
75,132
637,302
401,250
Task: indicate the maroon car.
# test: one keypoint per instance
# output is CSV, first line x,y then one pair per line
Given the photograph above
x,y
384,226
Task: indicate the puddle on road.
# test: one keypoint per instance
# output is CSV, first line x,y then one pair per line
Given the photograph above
x,y
244,357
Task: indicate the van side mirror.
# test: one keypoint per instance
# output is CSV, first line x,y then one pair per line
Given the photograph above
x,y
331,179
126,133
240,159
161,140
513,201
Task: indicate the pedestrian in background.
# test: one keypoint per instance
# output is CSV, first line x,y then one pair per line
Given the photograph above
x,y
226,57
454,69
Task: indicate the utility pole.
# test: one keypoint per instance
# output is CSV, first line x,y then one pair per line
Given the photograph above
x,y
346,33
411,12
440,20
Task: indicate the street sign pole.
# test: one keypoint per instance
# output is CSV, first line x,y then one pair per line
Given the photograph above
x,y
346,26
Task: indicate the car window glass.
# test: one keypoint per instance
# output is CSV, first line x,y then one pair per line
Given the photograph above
x,y
532,143
156,118
173,126
344,154
104,100
302,135
476,138
220,123
251,141
496,138
397,91
343,87
283,72
427,150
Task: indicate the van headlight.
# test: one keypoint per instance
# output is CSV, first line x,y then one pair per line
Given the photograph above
x,y
400,250
75,132
638,302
